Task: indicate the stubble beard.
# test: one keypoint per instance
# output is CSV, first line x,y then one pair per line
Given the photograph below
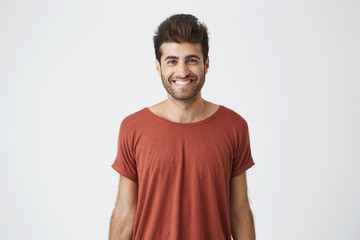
x,y
191,96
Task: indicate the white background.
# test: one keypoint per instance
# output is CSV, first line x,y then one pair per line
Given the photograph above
x,y
72,70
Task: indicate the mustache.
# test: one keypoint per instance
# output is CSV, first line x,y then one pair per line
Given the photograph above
x,y
189,76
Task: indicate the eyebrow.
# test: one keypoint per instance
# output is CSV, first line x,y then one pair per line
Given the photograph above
x,y
186,58
171,57
192,56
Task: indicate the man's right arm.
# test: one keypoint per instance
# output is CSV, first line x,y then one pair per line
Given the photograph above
x,y
123,216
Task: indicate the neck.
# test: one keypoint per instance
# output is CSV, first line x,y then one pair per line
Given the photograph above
x,y
186,111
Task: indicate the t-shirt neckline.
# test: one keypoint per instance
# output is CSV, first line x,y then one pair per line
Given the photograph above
x,y
209,118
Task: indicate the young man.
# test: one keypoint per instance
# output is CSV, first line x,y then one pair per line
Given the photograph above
x,y
182,162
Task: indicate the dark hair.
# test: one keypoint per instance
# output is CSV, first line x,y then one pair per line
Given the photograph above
x,y
181,28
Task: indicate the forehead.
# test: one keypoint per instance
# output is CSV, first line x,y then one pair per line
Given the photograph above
x,y
180,50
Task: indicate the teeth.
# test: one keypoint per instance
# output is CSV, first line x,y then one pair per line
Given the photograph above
x,y
182,83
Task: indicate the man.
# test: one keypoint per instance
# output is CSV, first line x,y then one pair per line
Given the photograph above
x,y
182,162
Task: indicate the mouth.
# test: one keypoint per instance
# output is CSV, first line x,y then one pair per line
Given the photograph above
x,y
184,82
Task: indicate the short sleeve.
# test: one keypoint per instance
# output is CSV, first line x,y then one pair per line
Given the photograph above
x,y
125,163
242,159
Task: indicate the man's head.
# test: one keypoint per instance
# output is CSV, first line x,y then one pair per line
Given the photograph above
x,y
181,28
181,47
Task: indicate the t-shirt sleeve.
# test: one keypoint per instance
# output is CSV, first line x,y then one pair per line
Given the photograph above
x,y
125,162
242,159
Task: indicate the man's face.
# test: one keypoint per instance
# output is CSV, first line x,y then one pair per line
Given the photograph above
x,y
182,69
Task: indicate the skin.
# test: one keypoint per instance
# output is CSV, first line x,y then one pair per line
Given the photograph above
x,y
241,217
184,104
123,216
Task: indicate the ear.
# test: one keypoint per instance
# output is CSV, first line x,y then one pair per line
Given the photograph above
x,y
206,65
158,67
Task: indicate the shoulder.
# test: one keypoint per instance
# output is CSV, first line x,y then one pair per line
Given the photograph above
x,y
134,119
233,117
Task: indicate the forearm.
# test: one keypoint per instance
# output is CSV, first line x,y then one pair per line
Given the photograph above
x,y
122,225
242,224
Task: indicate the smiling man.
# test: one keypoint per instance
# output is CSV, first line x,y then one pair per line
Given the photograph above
x,y
183,161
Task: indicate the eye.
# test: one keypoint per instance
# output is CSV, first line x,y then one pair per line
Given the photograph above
x,y
171,62
192,60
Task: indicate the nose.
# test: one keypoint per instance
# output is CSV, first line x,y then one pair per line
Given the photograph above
x,y
183,70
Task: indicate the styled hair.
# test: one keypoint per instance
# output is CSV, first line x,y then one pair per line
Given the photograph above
x,y
181,28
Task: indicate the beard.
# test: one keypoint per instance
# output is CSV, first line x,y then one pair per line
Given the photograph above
x,y
190,92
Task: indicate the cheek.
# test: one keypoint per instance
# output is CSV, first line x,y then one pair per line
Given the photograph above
x,y
166,73
197,71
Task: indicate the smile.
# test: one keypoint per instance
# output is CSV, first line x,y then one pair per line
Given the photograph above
x,y
183,83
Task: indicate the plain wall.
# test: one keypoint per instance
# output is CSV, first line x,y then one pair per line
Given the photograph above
x,y
70,71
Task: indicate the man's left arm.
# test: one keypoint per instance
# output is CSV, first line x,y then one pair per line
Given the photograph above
x,y
242,222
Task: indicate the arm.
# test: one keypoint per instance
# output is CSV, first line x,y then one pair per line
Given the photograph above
x,y
242,222
123,216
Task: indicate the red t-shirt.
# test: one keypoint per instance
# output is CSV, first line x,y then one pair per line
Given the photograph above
x,y
183,172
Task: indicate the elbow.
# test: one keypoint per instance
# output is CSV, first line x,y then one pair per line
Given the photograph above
x,y
123,214
239,213
122,224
